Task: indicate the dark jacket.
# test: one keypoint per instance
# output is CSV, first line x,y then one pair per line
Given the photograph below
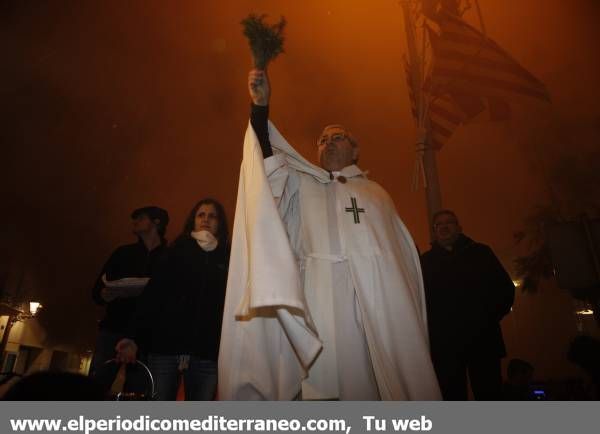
x,y
468,292
131,260
181,309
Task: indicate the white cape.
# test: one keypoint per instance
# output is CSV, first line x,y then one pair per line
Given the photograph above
x,y
269,342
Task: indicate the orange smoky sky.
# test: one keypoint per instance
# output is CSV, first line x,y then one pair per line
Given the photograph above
x,y
111,105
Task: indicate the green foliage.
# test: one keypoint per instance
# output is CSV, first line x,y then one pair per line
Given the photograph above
x,y
266,41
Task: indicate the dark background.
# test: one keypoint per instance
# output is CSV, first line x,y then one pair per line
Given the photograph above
x,y
110,105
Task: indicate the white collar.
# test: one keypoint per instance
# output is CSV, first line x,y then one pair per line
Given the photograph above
x,y
351,171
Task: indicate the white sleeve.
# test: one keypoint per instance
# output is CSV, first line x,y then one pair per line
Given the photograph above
x,y
277,172
285,185
283,180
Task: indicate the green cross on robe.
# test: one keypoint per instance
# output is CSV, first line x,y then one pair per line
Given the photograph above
x,y
355,210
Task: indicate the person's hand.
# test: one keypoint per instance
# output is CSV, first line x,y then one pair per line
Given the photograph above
x,y
126,351
108,294
258,86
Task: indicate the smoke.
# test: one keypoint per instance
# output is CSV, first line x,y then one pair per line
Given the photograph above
x,y
110,106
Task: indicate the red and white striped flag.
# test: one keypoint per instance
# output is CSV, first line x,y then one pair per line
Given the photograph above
x,y
468,74
442,115
467,62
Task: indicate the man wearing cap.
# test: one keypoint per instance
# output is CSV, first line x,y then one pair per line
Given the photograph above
x,y
325,296
117,287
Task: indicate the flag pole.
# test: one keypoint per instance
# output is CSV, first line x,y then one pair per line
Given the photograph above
x,y
425,152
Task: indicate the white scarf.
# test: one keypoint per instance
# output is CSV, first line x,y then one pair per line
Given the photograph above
x,y
205,240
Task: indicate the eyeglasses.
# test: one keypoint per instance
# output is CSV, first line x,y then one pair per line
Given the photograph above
x,y
335,137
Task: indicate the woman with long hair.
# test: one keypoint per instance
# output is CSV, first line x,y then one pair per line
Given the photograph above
x,y
179,315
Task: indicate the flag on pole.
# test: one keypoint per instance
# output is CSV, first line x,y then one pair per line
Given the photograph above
x,y
443,115
467,74
466,61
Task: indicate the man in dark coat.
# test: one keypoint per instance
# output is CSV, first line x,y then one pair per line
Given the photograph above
x,y
139,259
468,293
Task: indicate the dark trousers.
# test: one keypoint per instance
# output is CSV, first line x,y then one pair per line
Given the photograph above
x,y
484,373
105,349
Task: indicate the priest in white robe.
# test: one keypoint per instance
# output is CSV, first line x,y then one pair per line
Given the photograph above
x,y
325,294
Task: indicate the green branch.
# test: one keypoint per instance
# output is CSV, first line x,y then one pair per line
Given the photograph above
x,y
266,41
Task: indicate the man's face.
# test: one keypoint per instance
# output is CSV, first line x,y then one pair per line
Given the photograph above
x,y
142,224
207,219
446,229
335,150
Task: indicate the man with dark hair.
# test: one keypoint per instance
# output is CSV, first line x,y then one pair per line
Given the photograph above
x,y
468,292
123,278
156,215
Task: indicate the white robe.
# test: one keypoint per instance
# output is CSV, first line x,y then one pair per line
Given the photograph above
x,y
325,294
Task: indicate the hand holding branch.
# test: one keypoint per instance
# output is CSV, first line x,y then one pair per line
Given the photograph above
x,y
258,87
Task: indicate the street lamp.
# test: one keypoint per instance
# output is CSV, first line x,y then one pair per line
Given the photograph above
x,y
34,307
17,313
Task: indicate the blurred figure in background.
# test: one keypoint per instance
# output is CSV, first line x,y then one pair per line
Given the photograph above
x,y
517,387
584,351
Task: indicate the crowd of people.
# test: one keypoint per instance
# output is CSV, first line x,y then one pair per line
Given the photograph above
x,y
327,297
319,295
174,324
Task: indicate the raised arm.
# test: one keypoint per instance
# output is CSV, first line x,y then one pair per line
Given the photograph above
x,y
260,93
283,181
